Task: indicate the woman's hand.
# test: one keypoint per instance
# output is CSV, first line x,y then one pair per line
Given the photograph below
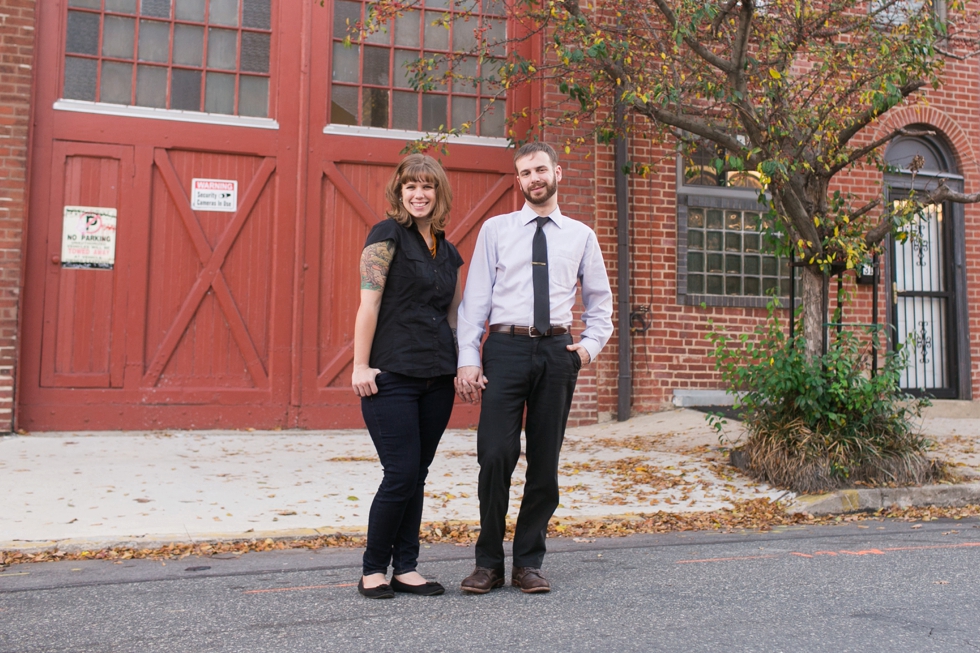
x,y
470,383
363,381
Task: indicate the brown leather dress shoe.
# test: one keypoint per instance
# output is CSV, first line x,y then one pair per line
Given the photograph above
x,y
530,580
482,580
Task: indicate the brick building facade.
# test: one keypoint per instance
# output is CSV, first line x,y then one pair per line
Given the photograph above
x,y
237,358
17,22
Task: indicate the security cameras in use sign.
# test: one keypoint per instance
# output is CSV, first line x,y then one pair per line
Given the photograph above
x,y
214,195
88,239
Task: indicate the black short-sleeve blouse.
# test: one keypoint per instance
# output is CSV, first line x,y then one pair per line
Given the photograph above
x,y
413,336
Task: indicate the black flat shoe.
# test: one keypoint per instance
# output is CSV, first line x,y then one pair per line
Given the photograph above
x,y
379,592
431,588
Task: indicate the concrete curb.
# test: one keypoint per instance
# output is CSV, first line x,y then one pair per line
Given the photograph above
x,y
844,501
75,545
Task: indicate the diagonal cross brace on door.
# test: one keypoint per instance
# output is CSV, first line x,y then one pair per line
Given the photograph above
x,y
211,275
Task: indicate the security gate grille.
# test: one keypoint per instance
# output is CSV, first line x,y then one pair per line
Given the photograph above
x,y
922,297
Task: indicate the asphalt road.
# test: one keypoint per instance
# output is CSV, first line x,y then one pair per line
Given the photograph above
x,y
876,586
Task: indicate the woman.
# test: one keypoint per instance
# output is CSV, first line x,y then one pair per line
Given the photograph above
x,y
404,364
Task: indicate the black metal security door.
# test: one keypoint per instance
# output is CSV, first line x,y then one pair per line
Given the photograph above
x,y
922,304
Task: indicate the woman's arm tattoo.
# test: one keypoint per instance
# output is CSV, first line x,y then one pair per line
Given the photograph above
x,y
375,261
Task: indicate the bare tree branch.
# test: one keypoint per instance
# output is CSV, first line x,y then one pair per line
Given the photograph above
x,y
877,233
696,46
944,194
941,194
695,125
741,46
722,14
737,75
792,196
864,210
845,135
957,57
861,152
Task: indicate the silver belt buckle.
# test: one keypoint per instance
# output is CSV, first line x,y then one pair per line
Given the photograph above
x,y
530,333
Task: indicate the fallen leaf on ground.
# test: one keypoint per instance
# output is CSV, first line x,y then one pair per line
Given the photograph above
x,y
756,514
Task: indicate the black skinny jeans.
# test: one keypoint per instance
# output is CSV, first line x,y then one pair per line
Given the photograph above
x,y
406,419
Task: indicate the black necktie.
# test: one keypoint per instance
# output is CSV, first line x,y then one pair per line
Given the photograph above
x,y
539,277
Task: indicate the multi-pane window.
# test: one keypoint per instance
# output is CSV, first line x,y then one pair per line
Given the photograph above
x,y
725,255
706,166
723,258
371,77
193,55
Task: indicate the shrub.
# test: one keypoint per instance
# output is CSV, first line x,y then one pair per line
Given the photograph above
x,y
825,423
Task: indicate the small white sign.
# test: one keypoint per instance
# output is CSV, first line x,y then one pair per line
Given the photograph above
x,y
214,195
88,239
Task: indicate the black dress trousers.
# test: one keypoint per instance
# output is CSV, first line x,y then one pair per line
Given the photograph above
x,y
541,374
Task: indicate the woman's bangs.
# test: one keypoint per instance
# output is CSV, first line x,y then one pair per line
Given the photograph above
x,y
419,173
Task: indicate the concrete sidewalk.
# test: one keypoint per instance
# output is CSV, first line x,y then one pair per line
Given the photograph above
x,y
88,490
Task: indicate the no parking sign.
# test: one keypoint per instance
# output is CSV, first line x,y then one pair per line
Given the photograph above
x,y
88,239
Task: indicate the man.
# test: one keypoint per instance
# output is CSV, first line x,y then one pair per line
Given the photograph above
x,y
522,280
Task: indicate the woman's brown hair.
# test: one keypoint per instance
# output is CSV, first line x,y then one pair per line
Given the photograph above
x,y
425,169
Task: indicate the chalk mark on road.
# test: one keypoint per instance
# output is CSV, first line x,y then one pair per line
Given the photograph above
x,y
863,552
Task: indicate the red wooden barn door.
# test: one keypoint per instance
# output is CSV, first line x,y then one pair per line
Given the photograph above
x,y
243,317
83,335
192,325
355,145
210,282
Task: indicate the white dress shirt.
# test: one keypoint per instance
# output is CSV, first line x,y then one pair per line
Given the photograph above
x,y
499,287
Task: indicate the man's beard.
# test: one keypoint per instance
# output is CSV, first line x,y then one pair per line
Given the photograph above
x,y
551,187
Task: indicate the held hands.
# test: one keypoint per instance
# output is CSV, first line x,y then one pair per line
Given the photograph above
x,y
363,381
582,352
470,383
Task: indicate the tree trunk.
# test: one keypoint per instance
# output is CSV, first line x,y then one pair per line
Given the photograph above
x,y
814,316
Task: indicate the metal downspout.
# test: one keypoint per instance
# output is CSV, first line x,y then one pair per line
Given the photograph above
x,y
622,282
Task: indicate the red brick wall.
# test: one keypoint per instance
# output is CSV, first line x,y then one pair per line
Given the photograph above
x,y
673,353
16,69
577,199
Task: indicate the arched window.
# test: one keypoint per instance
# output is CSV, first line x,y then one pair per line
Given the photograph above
x,y
936,157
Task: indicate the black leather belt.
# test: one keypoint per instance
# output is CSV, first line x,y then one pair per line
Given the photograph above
x,y
530,331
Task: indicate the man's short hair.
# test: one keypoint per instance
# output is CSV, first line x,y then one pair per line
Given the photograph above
x,y
529,149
